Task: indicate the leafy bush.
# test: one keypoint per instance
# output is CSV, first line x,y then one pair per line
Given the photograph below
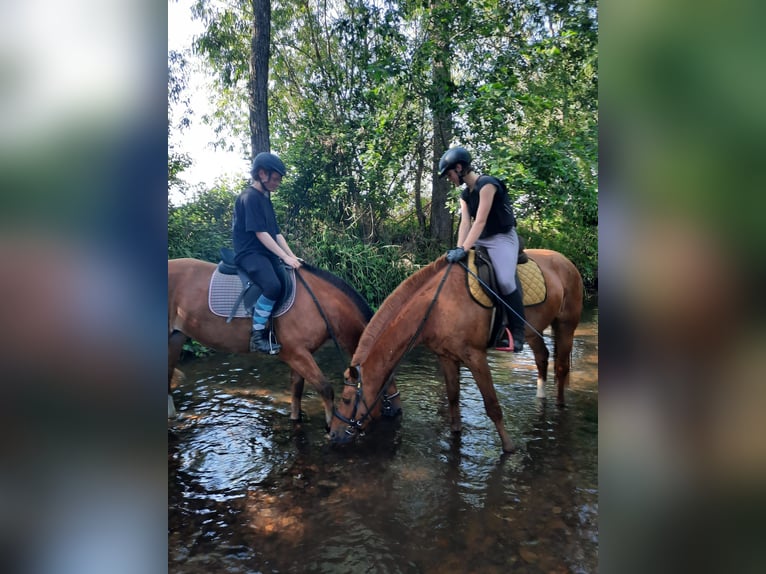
x,y
201,227
374,270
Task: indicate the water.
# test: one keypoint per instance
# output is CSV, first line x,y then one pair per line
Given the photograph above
x,y
250,493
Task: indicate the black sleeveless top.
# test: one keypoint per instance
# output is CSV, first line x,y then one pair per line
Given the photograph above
x,y
500,218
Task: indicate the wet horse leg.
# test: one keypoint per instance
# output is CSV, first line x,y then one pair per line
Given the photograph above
x,y
451,370
562,351
303,366
176,341
296,388
483,377
537,344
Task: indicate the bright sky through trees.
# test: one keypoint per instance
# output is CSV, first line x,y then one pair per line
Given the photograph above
x,y
208,164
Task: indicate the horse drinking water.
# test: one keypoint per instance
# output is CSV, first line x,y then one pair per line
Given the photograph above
x,y
433,307
322,301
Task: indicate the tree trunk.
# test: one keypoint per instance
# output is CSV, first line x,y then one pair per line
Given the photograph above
x,y
421,160
258,95
441,107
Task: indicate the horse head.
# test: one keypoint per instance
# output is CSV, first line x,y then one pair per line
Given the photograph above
x,y
360,403
353,414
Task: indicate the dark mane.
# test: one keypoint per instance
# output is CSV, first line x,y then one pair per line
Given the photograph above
x,y
344,287
393,304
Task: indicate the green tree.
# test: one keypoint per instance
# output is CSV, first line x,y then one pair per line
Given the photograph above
x,y
364,96
202,226
257,85
177,97
441,105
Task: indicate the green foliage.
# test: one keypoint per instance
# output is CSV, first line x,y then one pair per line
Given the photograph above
x,y
374,270
201,227
531,104
341,111
194,349
353,99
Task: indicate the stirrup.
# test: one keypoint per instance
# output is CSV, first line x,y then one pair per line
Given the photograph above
x,y
506,342
263,344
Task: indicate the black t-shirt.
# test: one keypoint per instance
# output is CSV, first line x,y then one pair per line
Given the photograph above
x,y
500,218
253,212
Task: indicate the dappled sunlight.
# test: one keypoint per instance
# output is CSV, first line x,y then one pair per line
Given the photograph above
x,y
269,514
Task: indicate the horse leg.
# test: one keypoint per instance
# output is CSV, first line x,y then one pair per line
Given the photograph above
x,y
483,378
451,370
303,365
562,351
296,388
537,344
176,341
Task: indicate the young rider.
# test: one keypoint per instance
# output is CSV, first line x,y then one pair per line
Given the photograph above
x,y
259,245
486,219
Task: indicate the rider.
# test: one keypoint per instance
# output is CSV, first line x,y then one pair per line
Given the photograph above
x,y
486,219
259,244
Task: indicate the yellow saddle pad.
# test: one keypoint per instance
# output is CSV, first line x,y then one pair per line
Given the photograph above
x,y
532,283
530,276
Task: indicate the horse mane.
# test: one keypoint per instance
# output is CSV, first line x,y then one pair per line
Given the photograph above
x,y
394,302
344,287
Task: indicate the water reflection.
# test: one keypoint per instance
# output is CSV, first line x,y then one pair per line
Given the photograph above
x,y
250,493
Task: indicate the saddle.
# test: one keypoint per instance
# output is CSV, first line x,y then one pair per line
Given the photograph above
x,y
529,279
230,298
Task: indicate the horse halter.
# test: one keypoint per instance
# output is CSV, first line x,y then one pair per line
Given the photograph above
x,y
355,424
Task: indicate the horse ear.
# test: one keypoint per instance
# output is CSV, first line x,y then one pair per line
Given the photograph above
x,y
351,374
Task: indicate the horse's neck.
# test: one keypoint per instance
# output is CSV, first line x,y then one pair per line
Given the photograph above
x,y
393,342
395,328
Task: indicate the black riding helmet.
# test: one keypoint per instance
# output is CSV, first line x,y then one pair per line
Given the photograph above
x,y
452,157
269,162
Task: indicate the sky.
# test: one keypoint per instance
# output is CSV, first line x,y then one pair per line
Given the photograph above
x,y
208,164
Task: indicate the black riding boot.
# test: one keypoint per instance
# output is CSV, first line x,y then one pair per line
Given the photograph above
x,y
515,317
260,340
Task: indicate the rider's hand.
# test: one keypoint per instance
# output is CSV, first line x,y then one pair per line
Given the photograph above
x,y
293,262
456,254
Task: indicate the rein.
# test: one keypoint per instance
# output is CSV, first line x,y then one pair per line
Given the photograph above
x,y
354,424
498,298
321,313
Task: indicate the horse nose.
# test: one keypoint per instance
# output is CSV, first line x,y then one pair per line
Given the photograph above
x,y
340,436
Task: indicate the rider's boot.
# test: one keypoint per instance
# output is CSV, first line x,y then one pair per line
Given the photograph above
x,y
261,341
516,319
259,337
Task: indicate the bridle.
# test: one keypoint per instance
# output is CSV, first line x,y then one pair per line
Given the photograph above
x,y
355,424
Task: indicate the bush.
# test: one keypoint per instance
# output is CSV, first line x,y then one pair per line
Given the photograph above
x,y
200,228
374,270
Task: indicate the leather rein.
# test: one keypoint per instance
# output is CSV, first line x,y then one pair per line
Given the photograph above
x,y
355,424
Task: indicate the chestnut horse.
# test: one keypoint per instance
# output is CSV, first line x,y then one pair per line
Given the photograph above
x,y
301,330
434,307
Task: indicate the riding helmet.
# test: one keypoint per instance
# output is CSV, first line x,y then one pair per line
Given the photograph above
x,y
269,162
453,156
